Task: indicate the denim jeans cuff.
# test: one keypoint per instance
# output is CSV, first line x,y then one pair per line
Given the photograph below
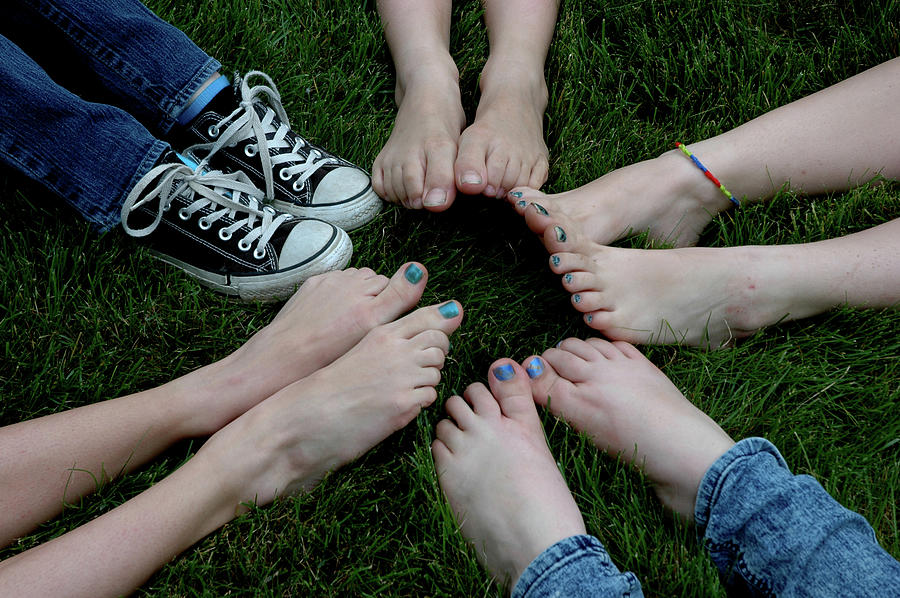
x,y
564,555
711,485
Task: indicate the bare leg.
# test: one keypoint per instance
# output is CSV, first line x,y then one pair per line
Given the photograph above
x,y
628,407
833,140
709,296
52,460
415,167
504,147
499,476
284,444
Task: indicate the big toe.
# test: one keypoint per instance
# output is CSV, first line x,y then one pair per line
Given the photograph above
x,y
510,387
440,188
547,386
445,317
402,293
471,165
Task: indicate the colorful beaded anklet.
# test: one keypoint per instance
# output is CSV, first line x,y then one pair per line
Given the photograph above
x,y
708,174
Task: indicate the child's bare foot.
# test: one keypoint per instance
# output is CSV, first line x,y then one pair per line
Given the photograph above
x,y
504,147
628,407
287,443
326,317
695,296
415,167
499,476
667,197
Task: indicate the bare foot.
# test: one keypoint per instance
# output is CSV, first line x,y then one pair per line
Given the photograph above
x,y
695,296
666,197
499,476
415,167
628,407
326,317
504,147
287,443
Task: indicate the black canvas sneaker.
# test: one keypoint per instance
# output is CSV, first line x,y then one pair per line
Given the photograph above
x,y
213,226
249,131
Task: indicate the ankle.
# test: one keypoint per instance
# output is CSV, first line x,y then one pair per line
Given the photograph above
x,y
690,186
429,71
501,75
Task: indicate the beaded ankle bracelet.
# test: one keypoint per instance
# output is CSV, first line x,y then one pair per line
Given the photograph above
x,y
708,174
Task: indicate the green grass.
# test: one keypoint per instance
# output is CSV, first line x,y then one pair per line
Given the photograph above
x,y
87,318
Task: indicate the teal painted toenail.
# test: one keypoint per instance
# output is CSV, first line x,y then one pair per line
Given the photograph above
x,y
413,273
560,234
589,318
517,195
576,298
555,260
568,278
534,368
504,372
521,203
449,310
540,209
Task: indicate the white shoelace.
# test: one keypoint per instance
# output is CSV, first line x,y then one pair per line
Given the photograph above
x,y
245,123
233,194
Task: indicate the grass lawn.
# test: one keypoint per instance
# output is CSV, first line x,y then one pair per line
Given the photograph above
x,y
88,318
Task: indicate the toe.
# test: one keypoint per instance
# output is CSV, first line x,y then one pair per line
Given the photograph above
x,y
413,183
402,292
510,388
470,167
440,189
546,384
496,171
537,217
445,317
567,364
589,301
539,173
460,411
481,401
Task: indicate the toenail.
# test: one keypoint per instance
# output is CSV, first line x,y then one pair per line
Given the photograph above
x,y
555,260
560,234
534,368
504,372
576,298
568,278
541,209
490,190
470,178
413,273
589,318
517,195
521,203
449,310
435,197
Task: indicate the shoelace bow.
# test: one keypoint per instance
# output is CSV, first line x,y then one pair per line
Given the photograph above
x,y
245,123
233,194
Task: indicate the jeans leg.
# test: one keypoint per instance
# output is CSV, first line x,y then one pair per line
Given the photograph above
x,y
112,51
771,533
576,567
89,154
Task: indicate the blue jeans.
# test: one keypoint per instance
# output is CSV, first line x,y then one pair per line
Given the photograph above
x,y
769,533
87,88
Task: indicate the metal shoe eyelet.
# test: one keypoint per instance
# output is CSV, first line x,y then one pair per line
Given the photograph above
x,y
213,131
183,214
269,210
224,234
259,253
251,150
284,175
167,206
204,224
297,185
243,245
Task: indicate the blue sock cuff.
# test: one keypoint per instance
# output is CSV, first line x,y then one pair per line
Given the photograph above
x,y
202,100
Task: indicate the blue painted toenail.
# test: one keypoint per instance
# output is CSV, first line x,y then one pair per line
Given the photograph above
x,y
413,273
534,368
517,195
540,209
589,318
568,278
521,203
555,260
449,310
560,234
576,298
504,372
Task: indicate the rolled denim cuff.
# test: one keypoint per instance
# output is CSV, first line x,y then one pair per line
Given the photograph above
x,y
711,485
574,567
